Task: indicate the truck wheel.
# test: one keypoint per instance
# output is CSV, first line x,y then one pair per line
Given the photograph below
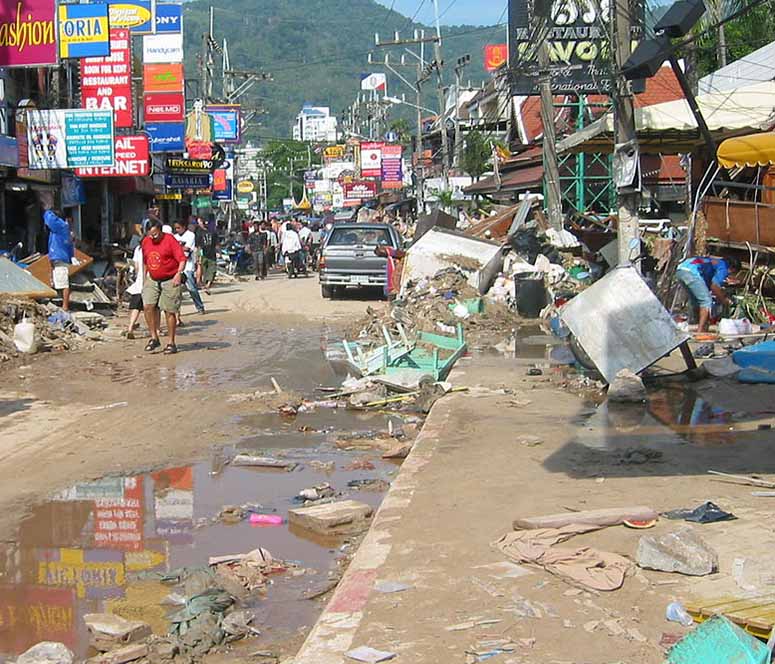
x,y
327,292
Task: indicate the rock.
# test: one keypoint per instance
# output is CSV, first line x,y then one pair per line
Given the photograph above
x,y
347,516
47,652
681,551
161,650
107,631
129,653
627,388
398,452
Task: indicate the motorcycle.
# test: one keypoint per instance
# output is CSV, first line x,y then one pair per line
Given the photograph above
x,y
294,266
234,258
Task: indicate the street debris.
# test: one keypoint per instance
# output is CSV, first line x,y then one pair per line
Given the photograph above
x,y
681,551
675,612
718,640
317,492
627,387
263,462
584,566
390,587
107,631
707,512
612,516
338,518
369,655
47,652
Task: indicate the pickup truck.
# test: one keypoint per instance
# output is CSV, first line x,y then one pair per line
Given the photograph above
x,y
348,259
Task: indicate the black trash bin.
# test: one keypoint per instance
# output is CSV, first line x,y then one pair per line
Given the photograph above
x,y
530,295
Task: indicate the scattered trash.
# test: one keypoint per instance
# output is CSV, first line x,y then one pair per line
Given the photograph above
x,y
535,372
318,492
530,441
377,486
108,631
391,587
360,464
584,566
681,551
486,649
743,479
24,337
676,612
266,520
718,640
708,512
369,655
231,514
639,524
398,452
323,466
263,462
612,516
344,517
47,652
460,627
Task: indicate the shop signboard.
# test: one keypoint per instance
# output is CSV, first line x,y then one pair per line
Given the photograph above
x,y
27,33
226,122
181,165
134,15
166,136
357,192
132,159
223,182
162,48
165,77
164,107
106,82
495,56
371,160
186,181
169,18
118,522
578,36
69,138
245,187
392,171
83,31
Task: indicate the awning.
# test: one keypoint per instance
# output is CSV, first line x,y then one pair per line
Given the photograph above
x,y
519,179
670,128
753,150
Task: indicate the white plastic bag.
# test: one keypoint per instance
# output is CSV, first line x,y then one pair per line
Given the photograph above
x,y
732,327
24,337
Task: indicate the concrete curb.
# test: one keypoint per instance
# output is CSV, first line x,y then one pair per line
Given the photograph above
x,y
335,630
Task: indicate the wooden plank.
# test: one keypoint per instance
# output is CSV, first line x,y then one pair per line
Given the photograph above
x,y
610,516
41,268
754,614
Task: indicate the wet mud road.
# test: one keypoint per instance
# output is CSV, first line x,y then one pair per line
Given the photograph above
x,y
114,468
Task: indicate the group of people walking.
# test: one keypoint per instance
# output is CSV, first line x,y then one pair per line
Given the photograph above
x,y
289,243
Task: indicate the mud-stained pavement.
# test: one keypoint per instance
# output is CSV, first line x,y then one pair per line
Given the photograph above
x,y
115,468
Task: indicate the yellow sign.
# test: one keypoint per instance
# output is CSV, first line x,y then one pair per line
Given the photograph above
x,y
83,31
169,197
334,152
245,187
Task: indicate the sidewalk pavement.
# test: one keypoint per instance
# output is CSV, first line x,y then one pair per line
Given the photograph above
x,y
485,458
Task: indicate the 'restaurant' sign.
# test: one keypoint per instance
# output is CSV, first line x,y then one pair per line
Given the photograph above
x,y
131,159
106,82
164,107
578,39
180,165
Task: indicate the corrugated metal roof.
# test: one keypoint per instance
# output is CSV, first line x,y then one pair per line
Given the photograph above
x,y
754,67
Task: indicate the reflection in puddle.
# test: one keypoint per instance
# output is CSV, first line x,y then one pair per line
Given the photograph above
x,y
94,547
696,420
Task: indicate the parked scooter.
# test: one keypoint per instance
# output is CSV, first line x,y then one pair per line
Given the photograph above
x,y
234,258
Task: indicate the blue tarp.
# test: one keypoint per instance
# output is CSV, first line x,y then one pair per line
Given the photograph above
x,y
757,363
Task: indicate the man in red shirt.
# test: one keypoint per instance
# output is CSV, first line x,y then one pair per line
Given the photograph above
x,y
165,263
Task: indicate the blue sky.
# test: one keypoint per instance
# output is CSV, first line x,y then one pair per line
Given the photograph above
x,y
453,12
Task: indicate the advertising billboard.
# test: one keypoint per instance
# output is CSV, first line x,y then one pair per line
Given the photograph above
x,y
137,16
371,160
165,136
106,82
164,107
28,33
69,138
83,31
163,78
169,18
392,167
132,159
495,56
162,48
226,122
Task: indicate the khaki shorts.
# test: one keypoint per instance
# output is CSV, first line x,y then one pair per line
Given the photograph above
x,y
61,276
162,294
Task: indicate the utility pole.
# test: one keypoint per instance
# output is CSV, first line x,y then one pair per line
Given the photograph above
x,y
207,59
549,144
626,140
438,63
462,63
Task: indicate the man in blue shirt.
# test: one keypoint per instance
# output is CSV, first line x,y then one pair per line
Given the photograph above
x,y
703,277
60,252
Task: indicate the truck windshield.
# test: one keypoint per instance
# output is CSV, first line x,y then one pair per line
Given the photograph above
x,y
342,237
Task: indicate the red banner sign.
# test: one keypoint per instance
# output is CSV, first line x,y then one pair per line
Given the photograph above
x,y
495,56
164,107
106,83
131,160
357,192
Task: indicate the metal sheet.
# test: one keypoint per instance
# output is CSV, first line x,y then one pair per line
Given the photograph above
x,y
16,281
621,324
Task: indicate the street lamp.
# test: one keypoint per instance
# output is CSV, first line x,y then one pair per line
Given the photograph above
x,y
396,100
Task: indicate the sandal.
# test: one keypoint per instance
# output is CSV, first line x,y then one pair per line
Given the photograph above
x,y
153,344
170,349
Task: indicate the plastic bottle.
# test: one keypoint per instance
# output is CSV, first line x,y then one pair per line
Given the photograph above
x,y
676,612
266,520
24,337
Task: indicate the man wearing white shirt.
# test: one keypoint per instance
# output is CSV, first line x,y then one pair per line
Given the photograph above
x,y
187,241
